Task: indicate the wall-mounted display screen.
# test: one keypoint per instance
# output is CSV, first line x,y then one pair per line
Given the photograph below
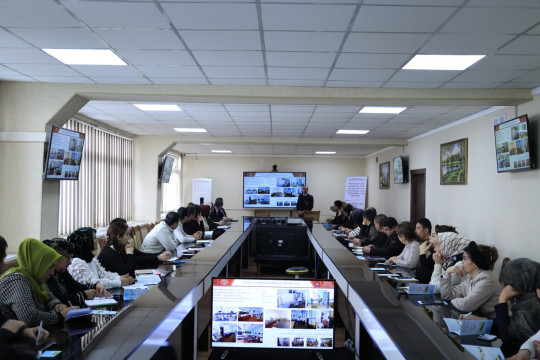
x,y
512,145
277,190
64,154
273,313
166,169
401,170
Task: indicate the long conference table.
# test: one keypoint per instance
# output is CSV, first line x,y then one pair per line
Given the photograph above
x,y
172,315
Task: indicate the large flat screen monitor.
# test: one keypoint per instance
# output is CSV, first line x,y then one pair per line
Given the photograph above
x,y
273,313
512,145
165,169
64,153
275,190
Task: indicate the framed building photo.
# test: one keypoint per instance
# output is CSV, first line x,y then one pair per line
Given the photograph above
x,y
454,162
384,175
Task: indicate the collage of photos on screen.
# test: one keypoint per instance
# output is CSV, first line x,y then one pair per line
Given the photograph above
x,y
284,193
295,309
66,160
508,153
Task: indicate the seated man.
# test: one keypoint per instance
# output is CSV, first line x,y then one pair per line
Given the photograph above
x,y
162,237
392,246
186,215
338,219
218,212
367,233
426,265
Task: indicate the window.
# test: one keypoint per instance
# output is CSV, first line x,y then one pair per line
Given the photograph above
x,y
170,192
104,189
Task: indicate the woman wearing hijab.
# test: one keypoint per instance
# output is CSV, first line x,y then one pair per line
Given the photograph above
x,y
85,268
521,281
121,257
479,290
23,293
62,284
448,252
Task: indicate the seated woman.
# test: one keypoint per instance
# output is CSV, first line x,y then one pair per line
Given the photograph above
x,y
521,281
85,268
23,293
121,257
62,284
197,224
479,290
448,252
410,255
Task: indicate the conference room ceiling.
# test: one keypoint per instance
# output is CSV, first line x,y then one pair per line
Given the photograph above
x,y
305,43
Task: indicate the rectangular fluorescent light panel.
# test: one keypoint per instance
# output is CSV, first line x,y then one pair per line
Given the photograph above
x,y
191,130
85,57
325,152
158,107
381,110
442,62
353,132
221,151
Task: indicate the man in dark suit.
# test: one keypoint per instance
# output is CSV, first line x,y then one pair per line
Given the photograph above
x,y
305,202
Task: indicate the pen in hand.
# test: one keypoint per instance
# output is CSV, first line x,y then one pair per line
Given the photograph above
x,y
39,332
466,315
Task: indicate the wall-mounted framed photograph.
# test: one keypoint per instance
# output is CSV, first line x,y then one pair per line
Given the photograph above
x,y
454,162
384,175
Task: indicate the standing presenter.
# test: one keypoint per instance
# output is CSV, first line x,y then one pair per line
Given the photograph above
x,y
305,202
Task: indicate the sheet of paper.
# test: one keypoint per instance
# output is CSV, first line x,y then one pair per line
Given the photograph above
x,y
148,279
484,352
101,302
421,289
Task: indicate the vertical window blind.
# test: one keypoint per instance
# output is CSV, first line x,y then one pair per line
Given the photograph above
x,y
104,189
170,192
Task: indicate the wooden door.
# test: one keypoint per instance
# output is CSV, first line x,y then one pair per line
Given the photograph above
x,y
418,194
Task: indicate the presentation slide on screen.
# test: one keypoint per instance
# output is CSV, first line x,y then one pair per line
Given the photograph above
x,y
512,145
272,190
273,313
65,154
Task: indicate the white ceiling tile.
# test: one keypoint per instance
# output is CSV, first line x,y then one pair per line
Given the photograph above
x,y
171,71
8,40
515,3
202,107
25,56
521,85
428,109
222,40
250,114
299,59
35,13
44,70
120,80
302,41
246,107
371,61
535,30
60,38
531,76
361,74
64,79
526,44
508,62
157,57
360,84
412,85
178,81
137,39
308,1
212,16
230,72
492,20
106,71
493,76
216,81
465,44
297,73
229,58
118,14
384,43
6,71
414,2
293,109
424,75
243,121
337,109
279,82
401,18
306,17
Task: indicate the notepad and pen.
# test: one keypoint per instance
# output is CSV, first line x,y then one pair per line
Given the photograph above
x,y
468,327
73,313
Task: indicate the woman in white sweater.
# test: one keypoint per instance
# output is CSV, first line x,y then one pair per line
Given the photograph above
x,y
479,290
410,256
85,268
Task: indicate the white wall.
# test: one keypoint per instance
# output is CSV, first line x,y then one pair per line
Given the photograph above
x,y
493,209
325,177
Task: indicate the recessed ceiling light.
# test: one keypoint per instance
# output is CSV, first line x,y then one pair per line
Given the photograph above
x,y
158,107
354,132
442,62
85,56
191,130
221,151
325,152
381,110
